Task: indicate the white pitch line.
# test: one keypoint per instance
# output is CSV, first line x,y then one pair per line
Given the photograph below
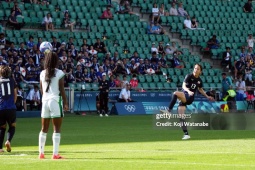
x,y
140,161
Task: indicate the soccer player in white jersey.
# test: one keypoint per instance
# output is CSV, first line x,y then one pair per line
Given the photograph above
x,y
53,94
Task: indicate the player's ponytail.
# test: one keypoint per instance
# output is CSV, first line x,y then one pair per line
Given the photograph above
x,y
50,63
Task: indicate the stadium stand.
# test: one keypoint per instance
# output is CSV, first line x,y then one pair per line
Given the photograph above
x,y
125,34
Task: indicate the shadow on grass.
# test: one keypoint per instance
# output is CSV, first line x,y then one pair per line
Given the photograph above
x,y
113,129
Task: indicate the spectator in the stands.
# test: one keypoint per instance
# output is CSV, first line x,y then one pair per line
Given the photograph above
x,y
55,44
154,48
17,11
125,94
162,60
160,48
112,82
100,73
63,57
107,14
124,81
92,51
168,49
156,67
154,57
194,23
162,11
78,74
12,49
99,46
39,42
250,52
248,72
176,62
34,98
67,21
248,6
155,13
47,22
61,49
115,57
226,59
117,81
124,7
30,43
134,81
70,76
141,67
187,22
37,57
239,67
174,48
213,43
32,74
120,68
69,63
73,52
240,89
250,41
85,44
136,57
225,83
12,21
243,52
69,43
4,54
17,76
173,10
250,60
181,11
2,62
4,43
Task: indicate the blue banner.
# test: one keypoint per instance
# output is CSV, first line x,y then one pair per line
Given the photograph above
x,y
132,108
152,102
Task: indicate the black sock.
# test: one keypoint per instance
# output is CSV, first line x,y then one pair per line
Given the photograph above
x,y
2,133
184,127
172,103
11,133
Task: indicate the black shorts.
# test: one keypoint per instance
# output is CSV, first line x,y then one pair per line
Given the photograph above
x,y
189,99
8,116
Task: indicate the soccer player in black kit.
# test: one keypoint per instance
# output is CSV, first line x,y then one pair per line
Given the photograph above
x,y
191,84
103,95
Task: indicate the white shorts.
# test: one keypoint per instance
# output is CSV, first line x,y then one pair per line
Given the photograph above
x,y
52,109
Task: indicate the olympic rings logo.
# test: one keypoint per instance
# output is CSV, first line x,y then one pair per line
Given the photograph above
x,y
130,108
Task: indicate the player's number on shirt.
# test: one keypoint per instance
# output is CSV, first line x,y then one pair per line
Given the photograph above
x,y
193,86
8,89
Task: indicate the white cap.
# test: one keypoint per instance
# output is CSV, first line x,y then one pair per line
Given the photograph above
x,y
167,44
104,74
63,43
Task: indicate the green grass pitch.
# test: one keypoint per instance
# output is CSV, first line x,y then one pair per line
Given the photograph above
x,y
128,142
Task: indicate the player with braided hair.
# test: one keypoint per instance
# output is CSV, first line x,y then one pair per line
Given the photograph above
x,y
53,93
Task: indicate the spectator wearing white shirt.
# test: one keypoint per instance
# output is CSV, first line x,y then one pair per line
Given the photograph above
x,y
47,21
173,10
250,41
187,22
125,94
153,48
34,98
92,51
155,13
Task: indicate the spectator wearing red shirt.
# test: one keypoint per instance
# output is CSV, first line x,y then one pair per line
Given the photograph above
x,y
117,81
134,82
107,14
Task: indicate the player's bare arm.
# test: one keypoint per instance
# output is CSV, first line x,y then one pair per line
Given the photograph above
x,y
62,92
201,90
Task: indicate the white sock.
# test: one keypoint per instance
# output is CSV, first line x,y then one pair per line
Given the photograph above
x,y
42,140
56,142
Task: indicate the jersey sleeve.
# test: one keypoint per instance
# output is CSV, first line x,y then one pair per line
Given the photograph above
x,y
60,74
201,84
187,78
